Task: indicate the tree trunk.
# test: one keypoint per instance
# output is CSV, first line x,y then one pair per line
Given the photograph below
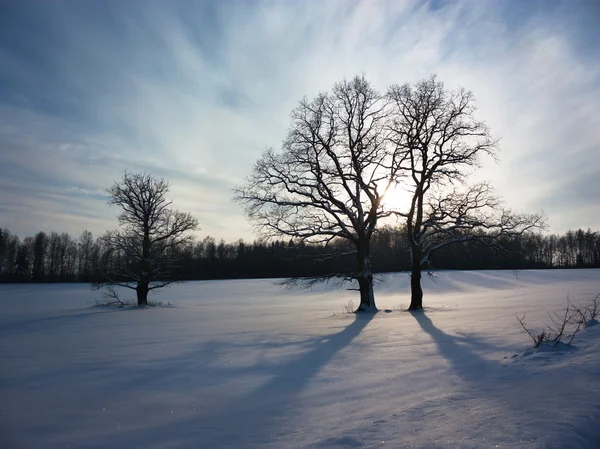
x,y
416,292
367,298
142,293
365,280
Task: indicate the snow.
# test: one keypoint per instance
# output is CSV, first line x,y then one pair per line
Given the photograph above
x,y
248,364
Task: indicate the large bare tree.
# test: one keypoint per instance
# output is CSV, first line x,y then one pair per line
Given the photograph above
x,y
437,143
151,232
329,179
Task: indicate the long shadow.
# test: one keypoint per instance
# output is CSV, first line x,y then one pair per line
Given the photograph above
x,y
293,376
486,380
27,324
486,385
254,418
465,362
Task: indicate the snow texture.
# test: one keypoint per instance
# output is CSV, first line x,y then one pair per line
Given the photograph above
x,y
247,364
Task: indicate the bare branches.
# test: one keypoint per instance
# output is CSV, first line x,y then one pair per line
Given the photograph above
x,y
474,214
564,325
326,183
537,338
150,235
588,314
337,279
435,132
329,180
141,196
437,142
593,308
347,148
436,138
111,296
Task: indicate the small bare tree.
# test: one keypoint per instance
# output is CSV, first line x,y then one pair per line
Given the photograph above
x,y
329,180
436,142
150,234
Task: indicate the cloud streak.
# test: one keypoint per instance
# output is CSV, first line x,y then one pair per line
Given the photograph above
x,y
195,93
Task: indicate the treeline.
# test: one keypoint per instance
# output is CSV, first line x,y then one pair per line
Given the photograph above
x,y
58,257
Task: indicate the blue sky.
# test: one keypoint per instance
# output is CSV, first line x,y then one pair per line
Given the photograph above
x,y
195,92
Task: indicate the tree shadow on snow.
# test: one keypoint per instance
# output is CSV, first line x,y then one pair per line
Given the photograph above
x,y
459,351
33,324
252,419
260,415
493,391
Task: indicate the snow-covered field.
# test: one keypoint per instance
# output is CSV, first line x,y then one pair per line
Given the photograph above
x,y
248,364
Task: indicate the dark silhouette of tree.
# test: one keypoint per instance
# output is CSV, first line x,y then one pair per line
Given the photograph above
x,y
9,246
54,256
437,142
329,179
143,252
40,245
69,258
4,262
390,251
85,248
24,260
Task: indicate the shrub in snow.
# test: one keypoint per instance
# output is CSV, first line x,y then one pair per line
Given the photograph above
x,y
563,326
348,308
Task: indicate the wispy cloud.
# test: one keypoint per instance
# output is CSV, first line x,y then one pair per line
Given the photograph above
x,y
195,92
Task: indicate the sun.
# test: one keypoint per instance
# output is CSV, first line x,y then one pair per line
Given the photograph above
x,y
396,198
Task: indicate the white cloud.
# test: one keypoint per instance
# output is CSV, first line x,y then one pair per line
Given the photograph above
x,y
197,101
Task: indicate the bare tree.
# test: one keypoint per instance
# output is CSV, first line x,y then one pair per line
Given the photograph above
x,y
329,179
150,234
40,246
9,247
84,255
437,141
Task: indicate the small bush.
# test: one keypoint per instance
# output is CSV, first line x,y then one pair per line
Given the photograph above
x,y
564,325
589,314
348,308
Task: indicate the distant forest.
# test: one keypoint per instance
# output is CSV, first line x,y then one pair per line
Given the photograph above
x,y
58,257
